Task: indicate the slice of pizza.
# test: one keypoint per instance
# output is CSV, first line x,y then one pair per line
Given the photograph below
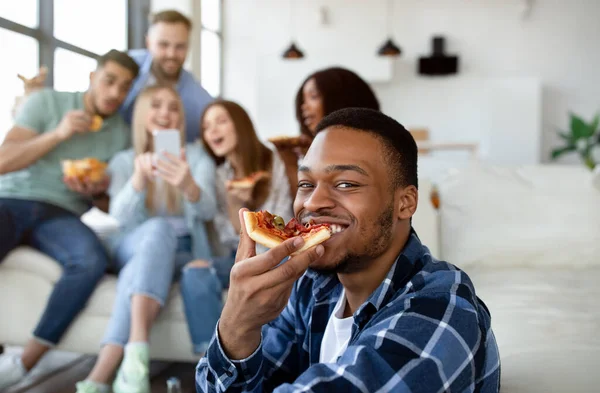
x,y
248,181
96,123
289,141
90,168
270,230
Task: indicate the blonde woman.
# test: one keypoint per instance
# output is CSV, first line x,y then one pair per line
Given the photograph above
x,y
162,203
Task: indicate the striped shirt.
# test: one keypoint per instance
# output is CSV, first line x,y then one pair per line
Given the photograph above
x,y
422,330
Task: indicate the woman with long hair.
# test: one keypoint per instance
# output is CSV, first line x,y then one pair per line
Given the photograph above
x,y
162,202
322,93
229,137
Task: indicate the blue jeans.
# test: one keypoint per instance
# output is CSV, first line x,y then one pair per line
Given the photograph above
x,y
201,289
61,235
148,259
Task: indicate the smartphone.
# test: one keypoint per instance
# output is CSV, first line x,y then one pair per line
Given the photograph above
x,y
167,140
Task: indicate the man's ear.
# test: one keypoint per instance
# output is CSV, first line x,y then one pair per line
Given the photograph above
x,y
407,202
92,76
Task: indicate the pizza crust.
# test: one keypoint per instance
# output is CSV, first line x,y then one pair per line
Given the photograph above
x,y
266,238
248,181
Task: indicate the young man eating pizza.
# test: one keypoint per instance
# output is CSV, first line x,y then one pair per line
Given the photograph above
x,y
367,310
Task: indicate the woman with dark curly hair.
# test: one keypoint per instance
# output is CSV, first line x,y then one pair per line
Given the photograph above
x,y
322,93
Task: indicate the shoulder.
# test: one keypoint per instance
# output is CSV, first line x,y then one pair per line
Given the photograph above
x,y
123,159
196,154
48,95
189,84
195,151
139,55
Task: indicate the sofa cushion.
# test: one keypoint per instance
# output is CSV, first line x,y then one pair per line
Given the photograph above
x,y
546,323
544,215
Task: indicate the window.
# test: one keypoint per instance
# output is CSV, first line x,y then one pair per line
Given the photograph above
x,y
210,62
102,27
64,35
72,70
211,46
23,60
24,12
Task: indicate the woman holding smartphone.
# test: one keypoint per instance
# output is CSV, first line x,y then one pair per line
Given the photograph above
x,y
162,202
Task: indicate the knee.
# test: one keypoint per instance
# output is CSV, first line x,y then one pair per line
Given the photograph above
x,y
158,229
92,262
198,263
199,277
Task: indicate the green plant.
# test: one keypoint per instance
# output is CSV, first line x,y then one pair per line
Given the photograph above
x,y
583,138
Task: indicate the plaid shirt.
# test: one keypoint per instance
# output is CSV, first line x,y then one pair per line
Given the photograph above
x,y
422,330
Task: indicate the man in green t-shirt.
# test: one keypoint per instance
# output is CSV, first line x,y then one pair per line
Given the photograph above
x,y
41,208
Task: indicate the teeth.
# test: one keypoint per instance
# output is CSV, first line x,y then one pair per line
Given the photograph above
x,y
335,228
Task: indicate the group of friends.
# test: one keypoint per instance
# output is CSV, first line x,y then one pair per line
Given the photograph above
x,y
368,310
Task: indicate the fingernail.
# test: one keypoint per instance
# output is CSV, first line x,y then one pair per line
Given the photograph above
x,y
298,242
320,250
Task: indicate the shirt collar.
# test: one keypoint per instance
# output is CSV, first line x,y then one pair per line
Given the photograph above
x,y
407,264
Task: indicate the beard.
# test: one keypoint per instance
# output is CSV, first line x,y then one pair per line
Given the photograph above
x,y
162,73
95,107
376,244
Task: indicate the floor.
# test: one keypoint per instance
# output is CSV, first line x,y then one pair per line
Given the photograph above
x,y
59,371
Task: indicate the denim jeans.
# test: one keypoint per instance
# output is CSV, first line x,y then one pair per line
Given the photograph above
x,y
148,259
61,235
201,290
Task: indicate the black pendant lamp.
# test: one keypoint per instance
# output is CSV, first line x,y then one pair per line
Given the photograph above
x,y
292,52
389,48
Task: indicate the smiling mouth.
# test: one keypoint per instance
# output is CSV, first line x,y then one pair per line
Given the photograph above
x,y
163,124
218,141
336,228
308,120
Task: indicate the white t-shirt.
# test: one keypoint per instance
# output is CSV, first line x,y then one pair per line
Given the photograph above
x,y
337,333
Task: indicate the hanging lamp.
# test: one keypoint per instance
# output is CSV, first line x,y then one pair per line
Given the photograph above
x,y
389,48
292,52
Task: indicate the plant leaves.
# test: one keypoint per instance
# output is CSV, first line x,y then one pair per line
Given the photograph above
x,y
578,127
561,150
594,124
566,137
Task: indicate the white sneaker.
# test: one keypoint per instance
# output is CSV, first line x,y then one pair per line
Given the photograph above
x,y
11,370
88,386
134,374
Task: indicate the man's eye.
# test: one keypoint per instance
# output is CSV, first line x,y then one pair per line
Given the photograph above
x,y
345,185
304,185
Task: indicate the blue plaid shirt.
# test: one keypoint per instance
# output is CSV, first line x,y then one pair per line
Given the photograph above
x,y
422,330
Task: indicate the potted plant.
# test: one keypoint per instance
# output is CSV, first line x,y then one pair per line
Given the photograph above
x,y
582,137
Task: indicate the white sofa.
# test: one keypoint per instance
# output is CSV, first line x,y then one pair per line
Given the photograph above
x,y
528,237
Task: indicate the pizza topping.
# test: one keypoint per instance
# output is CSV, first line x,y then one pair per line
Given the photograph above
x,y
279,222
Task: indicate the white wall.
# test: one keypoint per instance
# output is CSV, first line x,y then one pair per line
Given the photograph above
x,y
555,48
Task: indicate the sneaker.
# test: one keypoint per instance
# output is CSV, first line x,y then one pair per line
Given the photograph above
x,y
88,386
11,370
134,373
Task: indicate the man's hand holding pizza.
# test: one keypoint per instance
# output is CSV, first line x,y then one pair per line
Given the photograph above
x,y
259,290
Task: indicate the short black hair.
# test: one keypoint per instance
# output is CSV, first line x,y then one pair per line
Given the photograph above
x,y
121,58
399,144
339,88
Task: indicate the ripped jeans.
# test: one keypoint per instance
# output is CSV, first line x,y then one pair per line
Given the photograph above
x,y
148,260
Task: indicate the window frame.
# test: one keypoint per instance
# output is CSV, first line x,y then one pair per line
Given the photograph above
x,y
137,18
219,33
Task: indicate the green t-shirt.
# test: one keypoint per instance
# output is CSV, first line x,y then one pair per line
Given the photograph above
x,y
42,181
